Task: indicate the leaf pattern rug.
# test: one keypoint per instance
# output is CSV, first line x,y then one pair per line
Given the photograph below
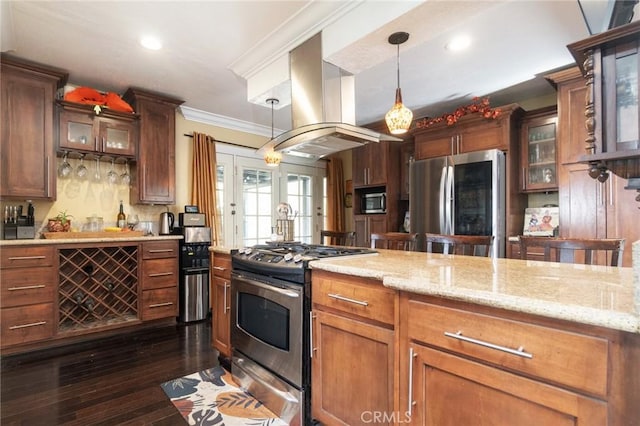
x,y
211,397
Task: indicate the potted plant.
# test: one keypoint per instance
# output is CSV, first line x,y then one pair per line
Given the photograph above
x,y
60,223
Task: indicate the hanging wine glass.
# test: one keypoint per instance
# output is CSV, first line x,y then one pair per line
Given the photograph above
x,y
126,177
96,175
65,168
81,170
112,176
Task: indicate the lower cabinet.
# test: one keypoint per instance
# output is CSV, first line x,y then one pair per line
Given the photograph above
x,y
27,294
463,364
367,224
159,280
221,303
353,351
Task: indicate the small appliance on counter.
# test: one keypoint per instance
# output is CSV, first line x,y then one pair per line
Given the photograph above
x,y
194,268
166,223
16,226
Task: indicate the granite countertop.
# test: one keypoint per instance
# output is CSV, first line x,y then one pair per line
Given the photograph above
x,y
597,295
59,241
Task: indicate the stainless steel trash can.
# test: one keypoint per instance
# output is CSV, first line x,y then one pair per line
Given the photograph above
x,y
194,296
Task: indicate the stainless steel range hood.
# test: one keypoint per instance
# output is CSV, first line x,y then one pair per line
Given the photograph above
x,y
322,108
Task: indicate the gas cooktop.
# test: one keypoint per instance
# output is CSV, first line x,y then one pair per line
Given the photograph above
x,y
285,258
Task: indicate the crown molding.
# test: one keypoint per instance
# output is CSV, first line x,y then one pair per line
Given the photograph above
x,y
212,119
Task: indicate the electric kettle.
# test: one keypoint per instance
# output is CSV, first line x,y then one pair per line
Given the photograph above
x,y
166,223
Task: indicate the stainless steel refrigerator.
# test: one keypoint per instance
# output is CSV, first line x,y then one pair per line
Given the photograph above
x,y
461,194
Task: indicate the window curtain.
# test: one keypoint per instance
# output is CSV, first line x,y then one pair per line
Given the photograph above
x,y
335,195
203,184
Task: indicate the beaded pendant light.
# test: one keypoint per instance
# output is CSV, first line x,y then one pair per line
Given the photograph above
x,y
399,116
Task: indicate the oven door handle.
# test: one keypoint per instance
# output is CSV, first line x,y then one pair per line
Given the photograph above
x,y
284,292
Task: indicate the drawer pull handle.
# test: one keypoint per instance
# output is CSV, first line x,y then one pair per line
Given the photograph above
x,y
519,352
219,268
161,274
346,299
26,257
161,305
27,287
33,324
412,355
160,251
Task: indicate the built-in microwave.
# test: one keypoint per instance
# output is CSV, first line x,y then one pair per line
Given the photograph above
x,y
374,203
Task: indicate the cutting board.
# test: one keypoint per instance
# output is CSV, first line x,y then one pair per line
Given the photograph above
x,y
103,234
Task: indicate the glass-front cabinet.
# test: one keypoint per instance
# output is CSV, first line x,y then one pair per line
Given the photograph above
x,y
111,133
539,164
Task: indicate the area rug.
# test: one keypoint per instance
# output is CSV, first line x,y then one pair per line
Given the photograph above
x,y
211,397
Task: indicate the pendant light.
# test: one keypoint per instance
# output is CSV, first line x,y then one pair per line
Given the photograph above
x,y
272,158
399,116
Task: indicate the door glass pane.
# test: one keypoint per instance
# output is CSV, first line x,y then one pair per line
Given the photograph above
x,y
256,198
117,138
299,196
472,199
542,154
627,98
80,133
220,200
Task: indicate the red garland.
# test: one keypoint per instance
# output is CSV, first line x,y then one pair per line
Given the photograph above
x,y
481,106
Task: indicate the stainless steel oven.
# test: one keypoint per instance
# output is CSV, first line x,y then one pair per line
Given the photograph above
x,y
270,324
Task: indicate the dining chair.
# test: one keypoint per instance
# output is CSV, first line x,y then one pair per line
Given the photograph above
x,y
469,245
565,249
394,241
338,238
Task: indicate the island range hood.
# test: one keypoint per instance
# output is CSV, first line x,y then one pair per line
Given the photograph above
x,y
322,108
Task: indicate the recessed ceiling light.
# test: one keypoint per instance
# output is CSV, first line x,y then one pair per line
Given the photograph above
x,y
458,43
151,43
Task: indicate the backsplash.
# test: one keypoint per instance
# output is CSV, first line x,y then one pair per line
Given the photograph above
x,y
83,198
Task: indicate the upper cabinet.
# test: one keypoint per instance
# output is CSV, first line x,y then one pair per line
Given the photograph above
x,y
610,64
155,174
471,133
27,142
538,151
109,132
374,163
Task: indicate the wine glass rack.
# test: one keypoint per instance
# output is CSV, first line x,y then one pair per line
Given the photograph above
x,y
98,286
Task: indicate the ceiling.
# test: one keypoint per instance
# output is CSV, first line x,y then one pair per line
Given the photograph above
x,y
212,48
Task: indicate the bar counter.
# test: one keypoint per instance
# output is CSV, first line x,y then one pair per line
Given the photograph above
x,y
596,295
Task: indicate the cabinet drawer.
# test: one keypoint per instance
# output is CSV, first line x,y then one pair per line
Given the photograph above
x,y
365,298
158,273
26,257
18,288
159,303
160,249
221,265
566,358
26,324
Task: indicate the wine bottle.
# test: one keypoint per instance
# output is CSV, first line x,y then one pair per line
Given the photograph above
x,y
122,218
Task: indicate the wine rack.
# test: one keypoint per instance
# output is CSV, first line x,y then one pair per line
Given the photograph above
x,y
98,286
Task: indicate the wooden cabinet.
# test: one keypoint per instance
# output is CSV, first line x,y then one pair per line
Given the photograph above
x,y
353,349
588,208
464,364
471,133
159,282
109,132
27,145
221,303
154,173
538,151
375,164
406,158
27,289
367,224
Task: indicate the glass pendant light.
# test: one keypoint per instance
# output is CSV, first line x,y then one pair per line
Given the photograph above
x,y
399,116
272,158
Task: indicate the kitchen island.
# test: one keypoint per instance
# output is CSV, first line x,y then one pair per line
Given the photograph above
x,y
462,340
57,291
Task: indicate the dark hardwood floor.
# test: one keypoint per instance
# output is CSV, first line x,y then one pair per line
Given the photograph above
x,y
112,381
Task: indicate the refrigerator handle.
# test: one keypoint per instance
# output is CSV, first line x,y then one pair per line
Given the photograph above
x,y
442,198
449,204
